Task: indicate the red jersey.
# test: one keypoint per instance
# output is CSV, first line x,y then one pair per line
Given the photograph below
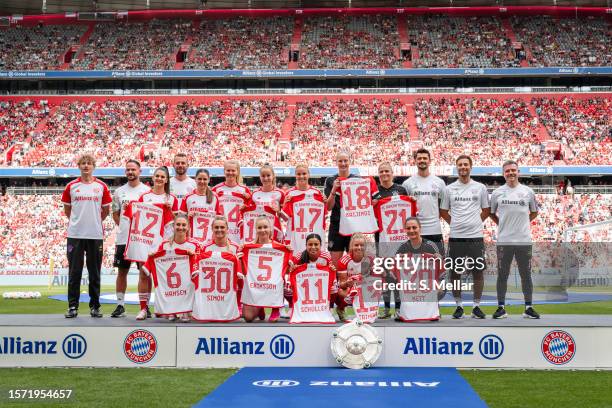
x,y
391,214
231,202
262,198
149,225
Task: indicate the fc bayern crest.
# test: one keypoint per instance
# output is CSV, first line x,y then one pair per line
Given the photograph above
x,y
140,346
558,347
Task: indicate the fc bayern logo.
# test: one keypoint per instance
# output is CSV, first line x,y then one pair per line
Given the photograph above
x,y
140,346
558,347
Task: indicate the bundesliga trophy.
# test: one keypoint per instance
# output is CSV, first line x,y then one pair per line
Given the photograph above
x,y
356,345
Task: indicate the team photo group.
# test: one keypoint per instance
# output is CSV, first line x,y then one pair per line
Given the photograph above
x,y
224,253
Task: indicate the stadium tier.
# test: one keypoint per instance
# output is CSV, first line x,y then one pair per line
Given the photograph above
x,y
283,39
565,129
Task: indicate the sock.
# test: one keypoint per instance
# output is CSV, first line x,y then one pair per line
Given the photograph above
x,y
458,302
527,306
144,300
502,306
476,303
120,299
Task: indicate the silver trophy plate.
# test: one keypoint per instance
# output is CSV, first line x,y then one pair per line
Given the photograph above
x,y
356,345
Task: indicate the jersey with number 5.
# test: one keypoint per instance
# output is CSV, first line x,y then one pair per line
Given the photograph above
x,y
264,266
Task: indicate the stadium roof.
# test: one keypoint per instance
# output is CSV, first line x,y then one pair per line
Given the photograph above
x,y
60,6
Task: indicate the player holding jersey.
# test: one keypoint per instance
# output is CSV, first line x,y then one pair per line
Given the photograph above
x,y
87,202
201,205
302,183
352,267
312,254
513,207
312,281
428,191
465,206
170,267
130,191
264,264
159,195
232,196
181,184
390,221
220,241
338,243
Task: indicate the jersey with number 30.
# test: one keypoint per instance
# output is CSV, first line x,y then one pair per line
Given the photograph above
x,y
356,211
171,273
264,266
311,284
215,276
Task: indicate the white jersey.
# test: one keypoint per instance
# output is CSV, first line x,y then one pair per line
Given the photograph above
x,y
181,188
419,296
189,245
367,298
265,266
356,211
248,218
231,200
513,206
86,201
171,272
149,225
215,276
305,214
151,197
465,202
311,284
262,198
428,192
122,197
391,214
212,247
201,215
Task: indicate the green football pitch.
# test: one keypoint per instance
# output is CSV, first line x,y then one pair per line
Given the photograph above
x,y
176,388
152,387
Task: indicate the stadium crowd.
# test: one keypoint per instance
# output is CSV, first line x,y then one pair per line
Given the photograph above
x,y
460,42
241,43
133,46
370,41
37,48
112,130
240,129
565,42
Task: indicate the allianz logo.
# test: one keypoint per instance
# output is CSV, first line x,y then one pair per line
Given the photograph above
x,y
312,383
490,347
280,346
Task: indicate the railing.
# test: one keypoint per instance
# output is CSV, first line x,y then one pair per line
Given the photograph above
x,y
267,91
41,190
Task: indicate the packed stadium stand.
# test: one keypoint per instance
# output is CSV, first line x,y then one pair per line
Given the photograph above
x,y
241,43
36,132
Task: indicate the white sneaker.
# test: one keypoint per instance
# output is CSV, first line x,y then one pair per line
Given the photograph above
x,y
171,318
142,315
185,318
285,313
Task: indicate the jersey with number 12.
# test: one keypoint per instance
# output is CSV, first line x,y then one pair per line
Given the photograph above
x,y
149,224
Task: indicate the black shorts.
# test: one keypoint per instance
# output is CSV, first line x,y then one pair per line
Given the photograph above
x,y
436,239
120,261
462,250
337,242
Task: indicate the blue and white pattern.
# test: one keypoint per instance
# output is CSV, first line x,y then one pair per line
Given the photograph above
x,y
140,346
558,347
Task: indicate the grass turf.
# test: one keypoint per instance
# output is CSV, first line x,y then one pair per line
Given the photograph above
x,y
49,306
184,387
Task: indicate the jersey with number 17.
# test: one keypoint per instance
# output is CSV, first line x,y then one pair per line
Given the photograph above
x,y
305,214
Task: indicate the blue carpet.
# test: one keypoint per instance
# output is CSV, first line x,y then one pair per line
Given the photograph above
x,y
278,387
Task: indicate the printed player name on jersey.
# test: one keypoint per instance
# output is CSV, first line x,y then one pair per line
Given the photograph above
x,y
177,292
314,308
263,285
215,298
357,213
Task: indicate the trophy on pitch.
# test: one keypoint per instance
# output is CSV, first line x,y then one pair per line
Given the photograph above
x,y
356,345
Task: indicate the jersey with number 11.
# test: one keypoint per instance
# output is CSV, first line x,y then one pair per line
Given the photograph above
x,y
312,284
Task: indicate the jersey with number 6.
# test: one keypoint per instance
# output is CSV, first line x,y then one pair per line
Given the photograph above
x,y
264,266
215,276
356,211
171,273
149,224
311,284
305,214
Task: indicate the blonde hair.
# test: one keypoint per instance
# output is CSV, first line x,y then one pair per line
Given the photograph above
x,y
303,166
176,217
262,218
86,157
268,167
234,163
355,237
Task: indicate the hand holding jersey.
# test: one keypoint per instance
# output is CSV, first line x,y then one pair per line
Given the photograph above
x,y
264,266
149,225
356,210
311,286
